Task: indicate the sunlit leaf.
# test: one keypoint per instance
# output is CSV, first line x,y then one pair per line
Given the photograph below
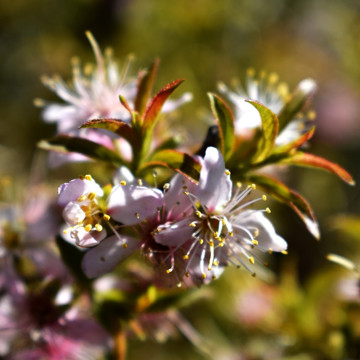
x,y
64,143
288,196
296,143
144,87
156,103
116,126
310,160
270,128
225,120
175,160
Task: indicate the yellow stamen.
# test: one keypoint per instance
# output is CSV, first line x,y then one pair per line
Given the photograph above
x,y
98,227
140,183
253,186
123,182
255,242
88,227
88,177
186,257
270,250
193,224
106,217
198,214
268,210
284,252
81,198
227,172
252,260
124,245
264,197
168,271
204,276
91,196
201,241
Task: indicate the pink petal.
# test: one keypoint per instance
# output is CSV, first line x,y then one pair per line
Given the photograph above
x,y
215,186
130,204
105,257
176,234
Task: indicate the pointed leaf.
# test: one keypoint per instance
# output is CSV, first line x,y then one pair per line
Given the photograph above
x,y
157,102
116,126
225,120
175,160
284,194
310,160
296,103
270,128
296,143
64,143
145,84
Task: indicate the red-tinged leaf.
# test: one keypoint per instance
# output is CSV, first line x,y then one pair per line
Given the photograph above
x,y
290,197
310,160
144,87
225,120
296,143
118,127
270,128
175,160
64,143
156,103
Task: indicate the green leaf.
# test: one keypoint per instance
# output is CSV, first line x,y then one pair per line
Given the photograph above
x,y
175,160
64,143
288,196
296,103
145,84
156,103
225,120
270,128
310,160
116,126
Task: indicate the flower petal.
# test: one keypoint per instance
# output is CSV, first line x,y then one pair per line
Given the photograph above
x,y
108,255
176,234
130,204
267,237
215,186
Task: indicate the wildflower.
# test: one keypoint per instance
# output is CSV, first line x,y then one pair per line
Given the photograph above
x,y
273,94
223,230
145,210
79,198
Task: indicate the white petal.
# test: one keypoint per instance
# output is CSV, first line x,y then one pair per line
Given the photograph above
x,y
130,204
105,257
88,239
176,234
123,174
267,238
215,186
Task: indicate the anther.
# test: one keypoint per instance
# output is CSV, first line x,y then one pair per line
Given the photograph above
x,y
124,245
270,250
204,276
213,277
211,243
81,198
198,214
137,215
140,182
193,224
231,234
91,196
166,186
186,193
88,177
106,217
264,197
168,271
186,257
256,233
253,186
268,210
123,182
187,274
284,252
201,241
252,260
227,172
255,242
88,227
98,227
239,184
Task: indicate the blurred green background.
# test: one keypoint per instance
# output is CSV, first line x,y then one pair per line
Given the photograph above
x,y
205,41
